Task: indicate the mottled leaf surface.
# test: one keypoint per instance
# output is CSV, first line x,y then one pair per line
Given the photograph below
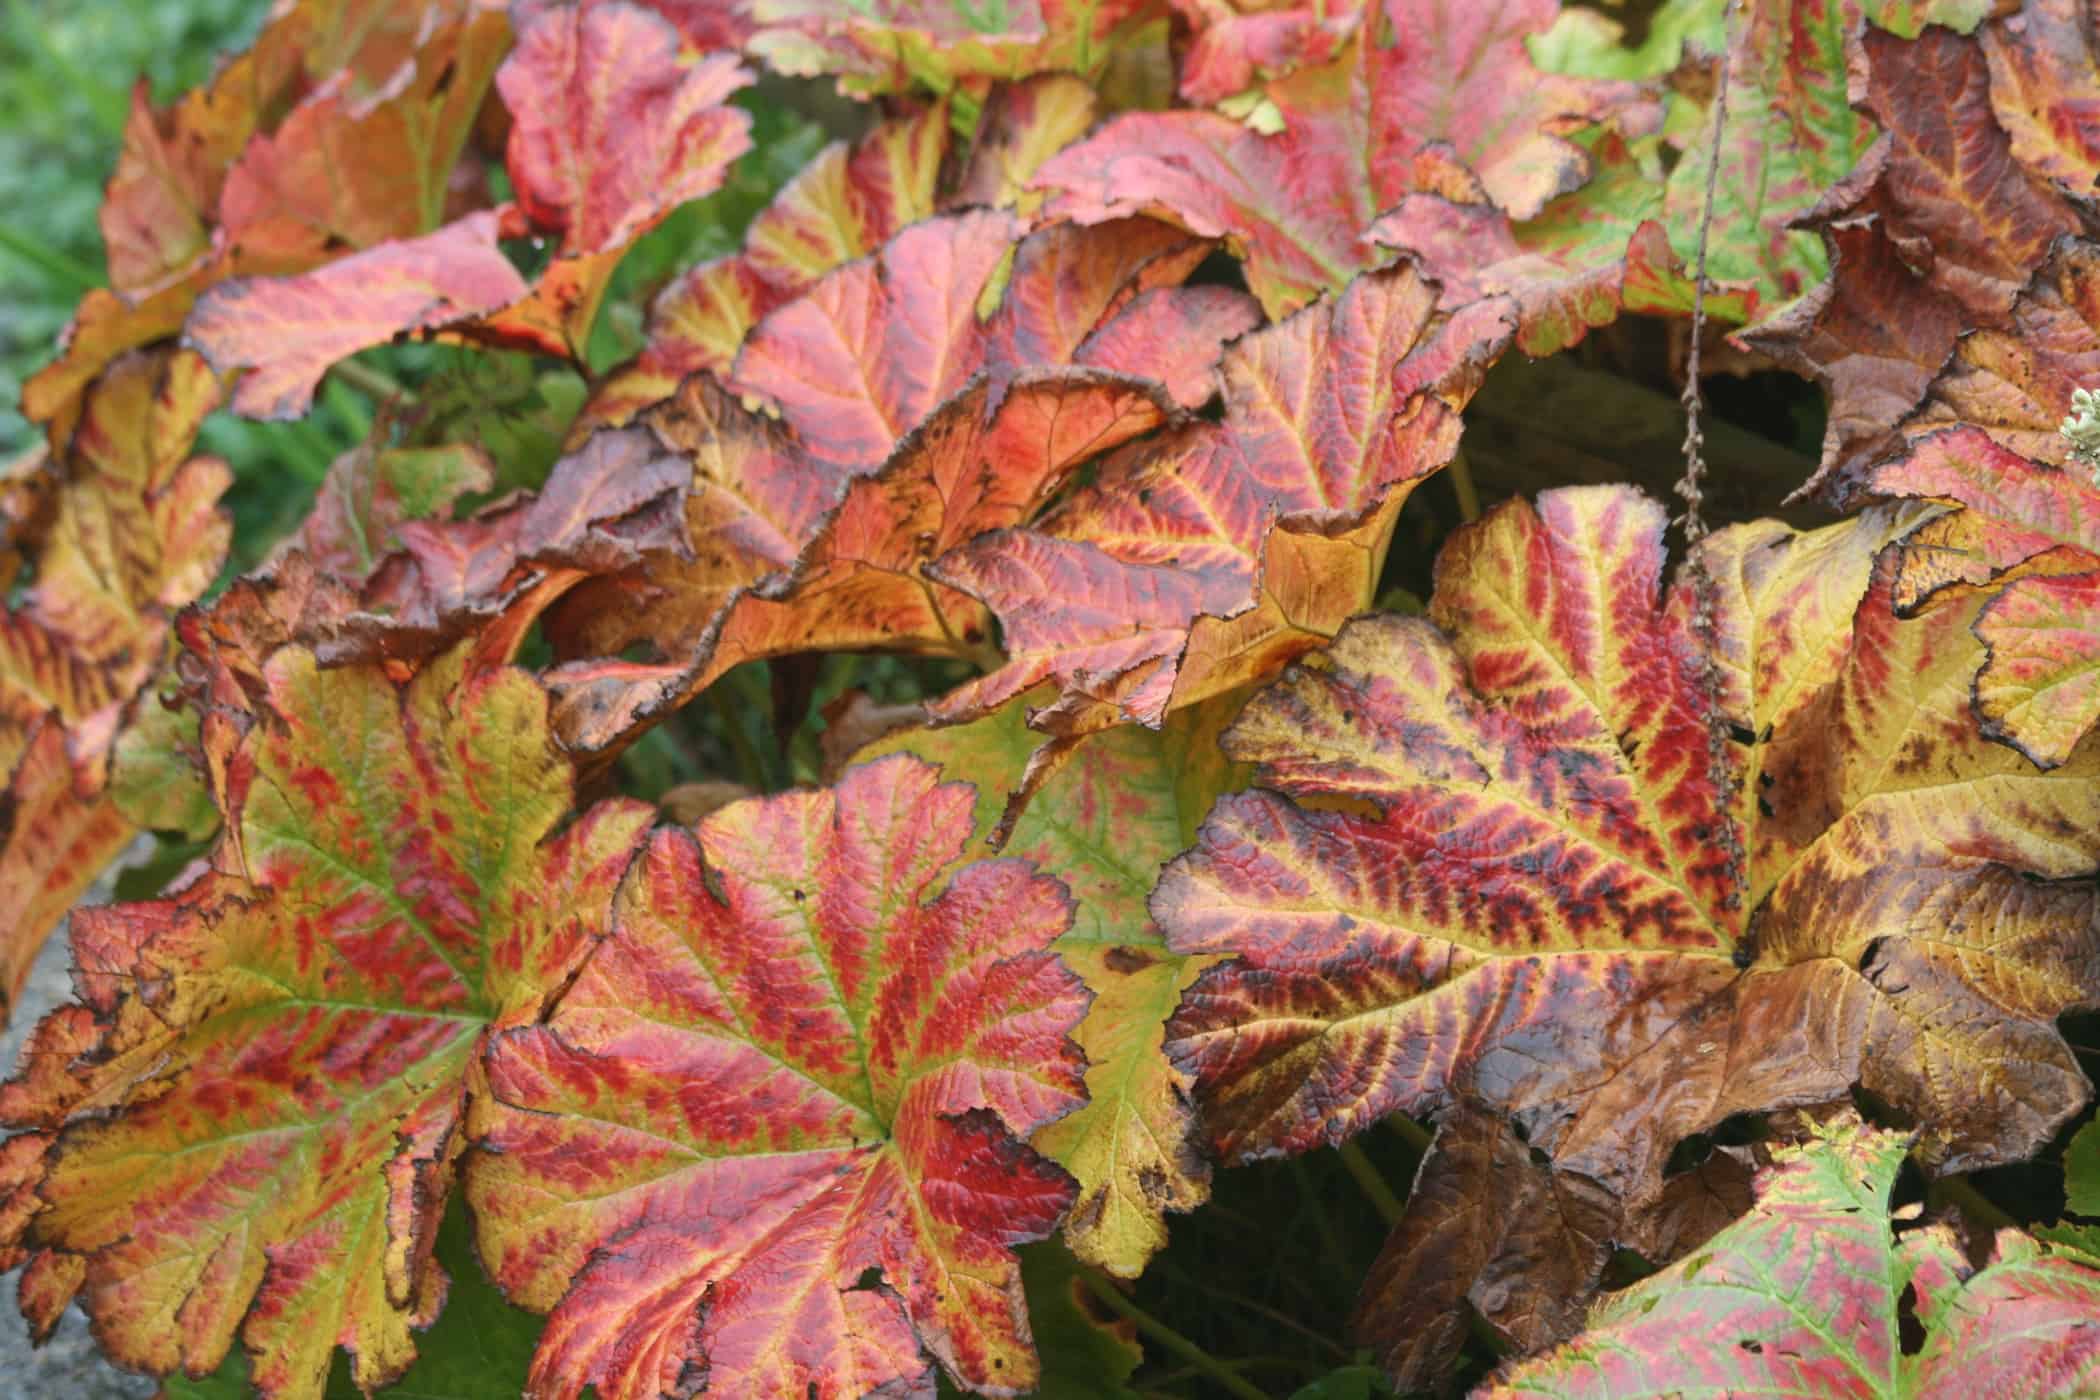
x,y
610,128
133,533
2039,685
800,1065
258,1104
1808,1295
2015,381
1118,808
1358,134
286,332
1193,566
1623,862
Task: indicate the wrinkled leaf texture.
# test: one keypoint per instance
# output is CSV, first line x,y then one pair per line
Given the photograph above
x,y
1621,861
1808,1294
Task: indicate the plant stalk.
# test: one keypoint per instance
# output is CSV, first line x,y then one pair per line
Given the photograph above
x,y
1461,473
1373,1184
380,385
1114,1299
1961,1192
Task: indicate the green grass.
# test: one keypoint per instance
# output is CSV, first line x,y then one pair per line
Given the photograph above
x,y
66,71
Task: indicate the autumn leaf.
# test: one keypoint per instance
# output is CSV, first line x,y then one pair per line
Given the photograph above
x,y
1620,862
864,356
321,132
374,489
1489,1228
367,156
2044,91
1875,334
1211,559
1236,49
610,128
257,1132
1358,135
844,205
1943,176
133,533
1581,262
1790,134
53,843
863,581
893,45
609,509
790,1086
326,138
1941,230
2038,688
1808,1293
286,332
2015,380
912,425
1121,806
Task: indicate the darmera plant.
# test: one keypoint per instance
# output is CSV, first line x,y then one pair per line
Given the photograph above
x,y
973,758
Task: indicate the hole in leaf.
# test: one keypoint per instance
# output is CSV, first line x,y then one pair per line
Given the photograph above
x,y
1689,1154
1910,1331
1879,1111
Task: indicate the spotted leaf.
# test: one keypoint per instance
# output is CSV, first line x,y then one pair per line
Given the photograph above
x,y
1118,808
258,1119
1621,862
790,1087
1809,1294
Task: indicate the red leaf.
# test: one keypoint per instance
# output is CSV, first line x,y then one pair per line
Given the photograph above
x,y
801,1057
1212,559
1358,136
2046,92
2038,525
2015,380
1875,334
610,129
1943,177
1621,866
128,533
287,331
855,363
258,1106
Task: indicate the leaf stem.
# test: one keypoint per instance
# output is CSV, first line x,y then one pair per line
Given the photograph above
x,y
1374,1186
751,765
379,384
1411,1132
1961,1192
1461,473
1115,1300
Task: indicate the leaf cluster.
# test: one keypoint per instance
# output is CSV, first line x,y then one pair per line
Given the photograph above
x,y
866,763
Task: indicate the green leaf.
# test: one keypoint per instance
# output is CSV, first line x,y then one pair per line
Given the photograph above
x,y
1086,1356
2082,1171
157,781
1348,1383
